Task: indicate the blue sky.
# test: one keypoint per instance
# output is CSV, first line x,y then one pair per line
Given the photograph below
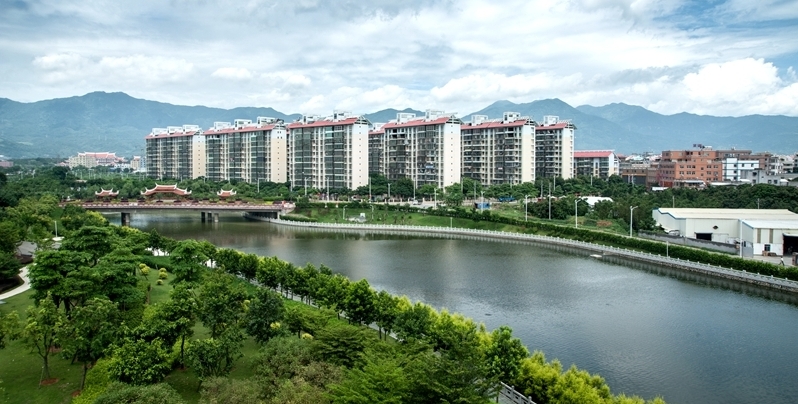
x,y
729,58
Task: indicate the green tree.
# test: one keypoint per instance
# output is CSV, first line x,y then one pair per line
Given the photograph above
x,y
92,240
265,310
214,357
221,303
382,379
9,328
504,354
63,275
341,344
360,303
160,393
41,330
188,258
140,362
90,331
387,310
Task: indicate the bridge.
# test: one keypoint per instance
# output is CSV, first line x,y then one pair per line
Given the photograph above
x,y
208,211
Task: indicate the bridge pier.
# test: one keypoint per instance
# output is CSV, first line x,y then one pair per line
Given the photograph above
x,y
202,215
126,218
209,217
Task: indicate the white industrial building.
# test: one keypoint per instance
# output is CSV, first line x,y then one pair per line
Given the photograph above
x,y
768,230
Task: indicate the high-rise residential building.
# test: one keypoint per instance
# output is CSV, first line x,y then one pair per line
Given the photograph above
x,y
498,151
596,163
426,149
376,148
329,153
554,148
247,151
175,152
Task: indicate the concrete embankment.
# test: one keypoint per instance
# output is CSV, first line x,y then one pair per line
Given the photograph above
x,y
599,251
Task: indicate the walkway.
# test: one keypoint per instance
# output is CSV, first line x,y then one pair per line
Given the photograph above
x,y
21,288
601,250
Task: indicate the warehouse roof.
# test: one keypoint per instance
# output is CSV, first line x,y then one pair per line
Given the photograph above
x,y
735,214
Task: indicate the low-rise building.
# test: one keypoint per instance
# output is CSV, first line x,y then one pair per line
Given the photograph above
x,y
94,159
596,163
720,225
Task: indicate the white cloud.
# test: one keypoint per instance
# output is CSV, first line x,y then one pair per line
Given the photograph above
x,y
316,56
232,73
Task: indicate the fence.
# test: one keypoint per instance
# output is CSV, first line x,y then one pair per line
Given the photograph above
x,y
717,271
513,396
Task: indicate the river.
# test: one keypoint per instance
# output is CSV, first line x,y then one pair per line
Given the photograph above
x,y
648,331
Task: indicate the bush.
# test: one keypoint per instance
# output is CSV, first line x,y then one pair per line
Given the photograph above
x,y
97,380
156,393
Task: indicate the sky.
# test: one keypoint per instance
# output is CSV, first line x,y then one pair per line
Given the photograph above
x,y
714,57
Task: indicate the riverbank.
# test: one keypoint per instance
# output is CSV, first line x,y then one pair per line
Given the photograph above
x,y
770,282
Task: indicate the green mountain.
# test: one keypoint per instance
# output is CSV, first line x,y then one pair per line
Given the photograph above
x,y
776,133
99,121
117,122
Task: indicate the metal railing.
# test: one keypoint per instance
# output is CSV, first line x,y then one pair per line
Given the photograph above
x,y
513,396
718,271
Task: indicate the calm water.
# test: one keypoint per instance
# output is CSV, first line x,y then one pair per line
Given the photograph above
x,y
648,331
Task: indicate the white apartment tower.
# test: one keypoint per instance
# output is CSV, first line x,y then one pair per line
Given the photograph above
x,y
554,148
246,151
424,149
171,152
499,151
329,153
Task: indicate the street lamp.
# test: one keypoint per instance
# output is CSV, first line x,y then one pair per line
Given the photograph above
x,y
526,208
389,192
482,200
631,210
576,213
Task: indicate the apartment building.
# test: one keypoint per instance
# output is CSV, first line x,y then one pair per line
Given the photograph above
x,y
247,151
94,159
596,163
329,153
554,148
376,149
425,149
175,152
498,151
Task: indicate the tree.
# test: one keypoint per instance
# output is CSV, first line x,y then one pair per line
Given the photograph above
x,y
221,303
359,303
9,266
181,311
93,240
228,259
414,322
248,266
188,257
334,292
161,393
341,344
90,331
387,310
504,354
41,330
63,275
214,357
265,310
9,328
139,362
268,268
381,380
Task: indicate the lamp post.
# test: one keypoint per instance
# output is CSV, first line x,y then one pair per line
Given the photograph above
x,y
389,192
549,201
576,213
482,200
435,203
526,208
343,217
631,210
305,179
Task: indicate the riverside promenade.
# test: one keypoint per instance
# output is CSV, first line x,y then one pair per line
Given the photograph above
x,y
599,251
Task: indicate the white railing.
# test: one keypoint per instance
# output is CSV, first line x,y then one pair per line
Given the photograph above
x,y
779,283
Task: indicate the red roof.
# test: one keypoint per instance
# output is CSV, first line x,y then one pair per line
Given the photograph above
x,y
558,125
592,153
416,122
176,134
486,125
324,122
170,189
212,131
377,132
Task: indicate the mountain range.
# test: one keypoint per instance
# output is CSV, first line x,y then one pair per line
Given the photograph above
x,y
117,122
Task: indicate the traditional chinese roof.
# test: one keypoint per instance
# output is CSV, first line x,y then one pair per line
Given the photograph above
x,y
224,194
167,189
106,192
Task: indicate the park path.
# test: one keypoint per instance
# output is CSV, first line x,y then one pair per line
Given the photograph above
x,y
21,288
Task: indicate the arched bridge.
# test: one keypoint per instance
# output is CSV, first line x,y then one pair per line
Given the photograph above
x,y
208,211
